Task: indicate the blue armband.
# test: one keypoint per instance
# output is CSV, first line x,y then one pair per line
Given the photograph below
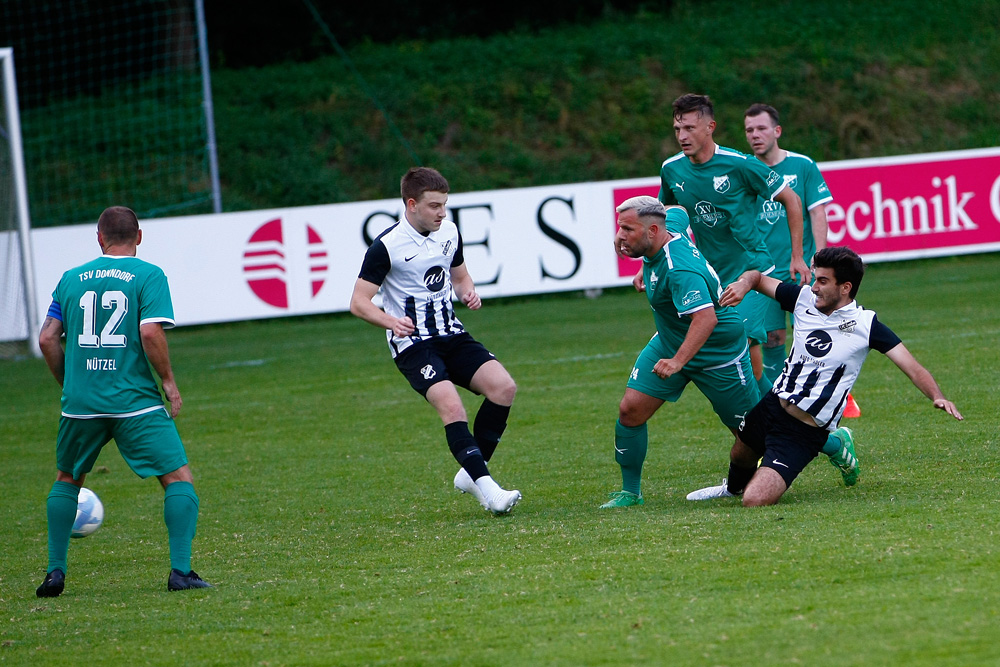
x,y
55,311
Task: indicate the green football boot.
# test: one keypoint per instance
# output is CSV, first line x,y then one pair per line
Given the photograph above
x,y
846,460
623,499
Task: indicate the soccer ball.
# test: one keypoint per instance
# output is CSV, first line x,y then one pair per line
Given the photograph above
x,y
89,514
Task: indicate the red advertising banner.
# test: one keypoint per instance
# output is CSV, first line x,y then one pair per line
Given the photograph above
x,y
904,207
917,205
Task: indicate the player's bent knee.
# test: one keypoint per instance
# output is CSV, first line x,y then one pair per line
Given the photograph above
x,y
182,474
766,488
629,415
751,500
504,395
775,339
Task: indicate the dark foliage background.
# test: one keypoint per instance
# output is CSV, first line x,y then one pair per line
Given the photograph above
x,y
262,32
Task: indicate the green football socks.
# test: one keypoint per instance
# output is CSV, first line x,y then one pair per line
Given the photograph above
x,y
832,446
630,453
774,362
61,511
180,512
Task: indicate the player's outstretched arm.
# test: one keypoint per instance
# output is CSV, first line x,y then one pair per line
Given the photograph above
x,y
50,343
362,306
735,291
154,343
465,288
922,379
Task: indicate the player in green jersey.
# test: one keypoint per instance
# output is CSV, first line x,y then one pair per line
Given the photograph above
x,y
697,340
719,188
801,175
112,311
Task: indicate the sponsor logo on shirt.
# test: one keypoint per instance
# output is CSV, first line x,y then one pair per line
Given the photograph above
x,y
819,343
771,212
691,297
772,178
434,279
706,214
848,326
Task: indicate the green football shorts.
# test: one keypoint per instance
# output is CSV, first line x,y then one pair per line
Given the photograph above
x,y
730,388
775,317
149,443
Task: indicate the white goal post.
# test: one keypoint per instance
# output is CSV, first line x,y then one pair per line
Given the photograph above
x,y
19,319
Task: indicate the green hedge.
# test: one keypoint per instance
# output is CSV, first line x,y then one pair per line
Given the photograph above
x,y
593,102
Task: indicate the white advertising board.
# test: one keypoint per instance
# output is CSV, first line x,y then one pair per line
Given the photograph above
x,y
304,260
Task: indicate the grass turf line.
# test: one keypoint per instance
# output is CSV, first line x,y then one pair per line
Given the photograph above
x,y
329,523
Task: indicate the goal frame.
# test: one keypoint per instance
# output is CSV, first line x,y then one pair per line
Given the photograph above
x,y
12,114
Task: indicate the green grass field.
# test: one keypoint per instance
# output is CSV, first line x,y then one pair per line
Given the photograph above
x,y
329,525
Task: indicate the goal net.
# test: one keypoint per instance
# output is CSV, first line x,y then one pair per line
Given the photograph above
x,y
115,107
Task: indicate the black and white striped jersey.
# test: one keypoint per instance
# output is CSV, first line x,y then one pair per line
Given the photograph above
x,y
827,353
414,272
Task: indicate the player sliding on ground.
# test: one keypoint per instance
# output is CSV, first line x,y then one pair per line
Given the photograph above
x,y
832,337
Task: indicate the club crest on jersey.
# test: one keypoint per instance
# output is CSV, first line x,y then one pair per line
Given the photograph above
x,y
446,248
721,183
434,279
819,343
848,326
691,297
653,279
428,372
790,180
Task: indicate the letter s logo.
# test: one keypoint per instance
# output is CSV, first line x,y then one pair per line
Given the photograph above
x,y
559,238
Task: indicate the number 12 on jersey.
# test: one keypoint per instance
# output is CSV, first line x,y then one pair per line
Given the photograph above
x,y
115,301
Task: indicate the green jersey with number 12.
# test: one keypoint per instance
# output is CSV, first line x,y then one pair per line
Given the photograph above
x,y
102,304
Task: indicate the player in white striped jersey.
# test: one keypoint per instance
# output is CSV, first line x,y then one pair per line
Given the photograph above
x,y
419,265
832,337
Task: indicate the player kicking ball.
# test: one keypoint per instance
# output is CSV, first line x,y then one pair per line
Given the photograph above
x,y
419,265
832,337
